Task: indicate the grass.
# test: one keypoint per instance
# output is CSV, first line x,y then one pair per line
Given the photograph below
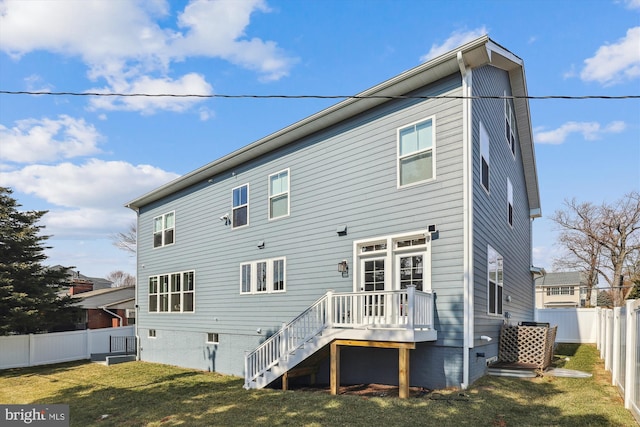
x,y
138,393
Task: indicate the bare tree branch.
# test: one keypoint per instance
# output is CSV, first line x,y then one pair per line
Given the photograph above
x,y
127,241
600,240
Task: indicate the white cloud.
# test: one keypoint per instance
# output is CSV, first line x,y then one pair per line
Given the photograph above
x,y
590,131
615,63
96,184
632,4
456,39
188,84
88,199
126,44
45,140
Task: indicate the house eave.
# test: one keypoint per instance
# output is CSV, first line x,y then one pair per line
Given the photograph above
x,y
476,53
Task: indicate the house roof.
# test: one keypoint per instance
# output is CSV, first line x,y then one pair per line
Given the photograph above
x,y
562,278
121,297
476,53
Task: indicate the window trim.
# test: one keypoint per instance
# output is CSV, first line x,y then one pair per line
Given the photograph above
x,y
212,338
159,294
163,230
433,150
272,196
509,203
498,296
234,208
389,253
509,131
485,143
269,282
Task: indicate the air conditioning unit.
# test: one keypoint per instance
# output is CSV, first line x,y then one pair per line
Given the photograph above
x,y
131,313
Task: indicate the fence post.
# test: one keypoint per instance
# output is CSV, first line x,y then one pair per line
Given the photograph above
x,y
632,344
32,349
615,354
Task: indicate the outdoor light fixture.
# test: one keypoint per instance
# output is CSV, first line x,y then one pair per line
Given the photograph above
x,y
261,244
341,230
343,268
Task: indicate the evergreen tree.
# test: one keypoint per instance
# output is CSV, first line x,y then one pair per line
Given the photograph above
x,y
29,300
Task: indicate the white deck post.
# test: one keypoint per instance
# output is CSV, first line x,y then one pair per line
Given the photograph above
x,y
284,342
247,374
329,308
411,305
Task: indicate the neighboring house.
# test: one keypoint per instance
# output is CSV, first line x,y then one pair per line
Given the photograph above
x,y
394,233
567,289
80,283
107,308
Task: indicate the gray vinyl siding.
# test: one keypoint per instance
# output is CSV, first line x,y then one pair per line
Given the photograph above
x,y
490,225
345,175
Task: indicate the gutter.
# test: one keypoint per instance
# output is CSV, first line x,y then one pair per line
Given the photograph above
x,y
104,308
467,219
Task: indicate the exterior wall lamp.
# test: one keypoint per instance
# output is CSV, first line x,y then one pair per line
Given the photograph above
x,y
343,268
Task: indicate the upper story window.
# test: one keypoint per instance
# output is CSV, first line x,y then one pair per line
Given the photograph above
x,y
264,276
416,146
495,281
279,194
172,293
510,123
240,206
484,157
509,202
164,230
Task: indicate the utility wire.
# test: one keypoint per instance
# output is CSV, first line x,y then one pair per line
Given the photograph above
x,y
218,95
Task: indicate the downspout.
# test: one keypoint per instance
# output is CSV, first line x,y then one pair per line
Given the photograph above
x,y
104,308
136,307
467,219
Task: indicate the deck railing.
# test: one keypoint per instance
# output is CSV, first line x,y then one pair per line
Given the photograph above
x,y
403,309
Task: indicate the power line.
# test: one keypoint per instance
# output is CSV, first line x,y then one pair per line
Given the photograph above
x,y
218,95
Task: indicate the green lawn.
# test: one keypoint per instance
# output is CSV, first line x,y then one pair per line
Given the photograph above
x,y
138,393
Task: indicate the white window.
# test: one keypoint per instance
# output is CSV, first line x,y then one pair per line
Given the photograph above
x,y
212,338
416,151
279,194
152,333
240,206
173,292
393,262
495,281
484,157
510,123
263,276
164,230
509,202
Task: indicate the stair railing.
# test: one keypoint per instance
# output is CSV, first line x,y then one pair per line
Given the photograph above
x,y
291,336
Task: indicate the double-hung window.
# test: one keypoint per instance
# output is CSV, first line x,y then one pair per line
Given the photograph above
x,y
279,194
416,149
484,157
510,123
164,230
240,206
173,292
495,281
263,276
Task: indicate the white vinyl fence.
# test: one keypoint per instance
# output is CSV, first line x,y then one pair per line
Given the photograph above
x,y
616,332
17,351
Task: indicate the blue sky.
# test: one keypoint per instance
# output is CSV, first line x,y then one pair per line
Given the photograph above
x,y
83,158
